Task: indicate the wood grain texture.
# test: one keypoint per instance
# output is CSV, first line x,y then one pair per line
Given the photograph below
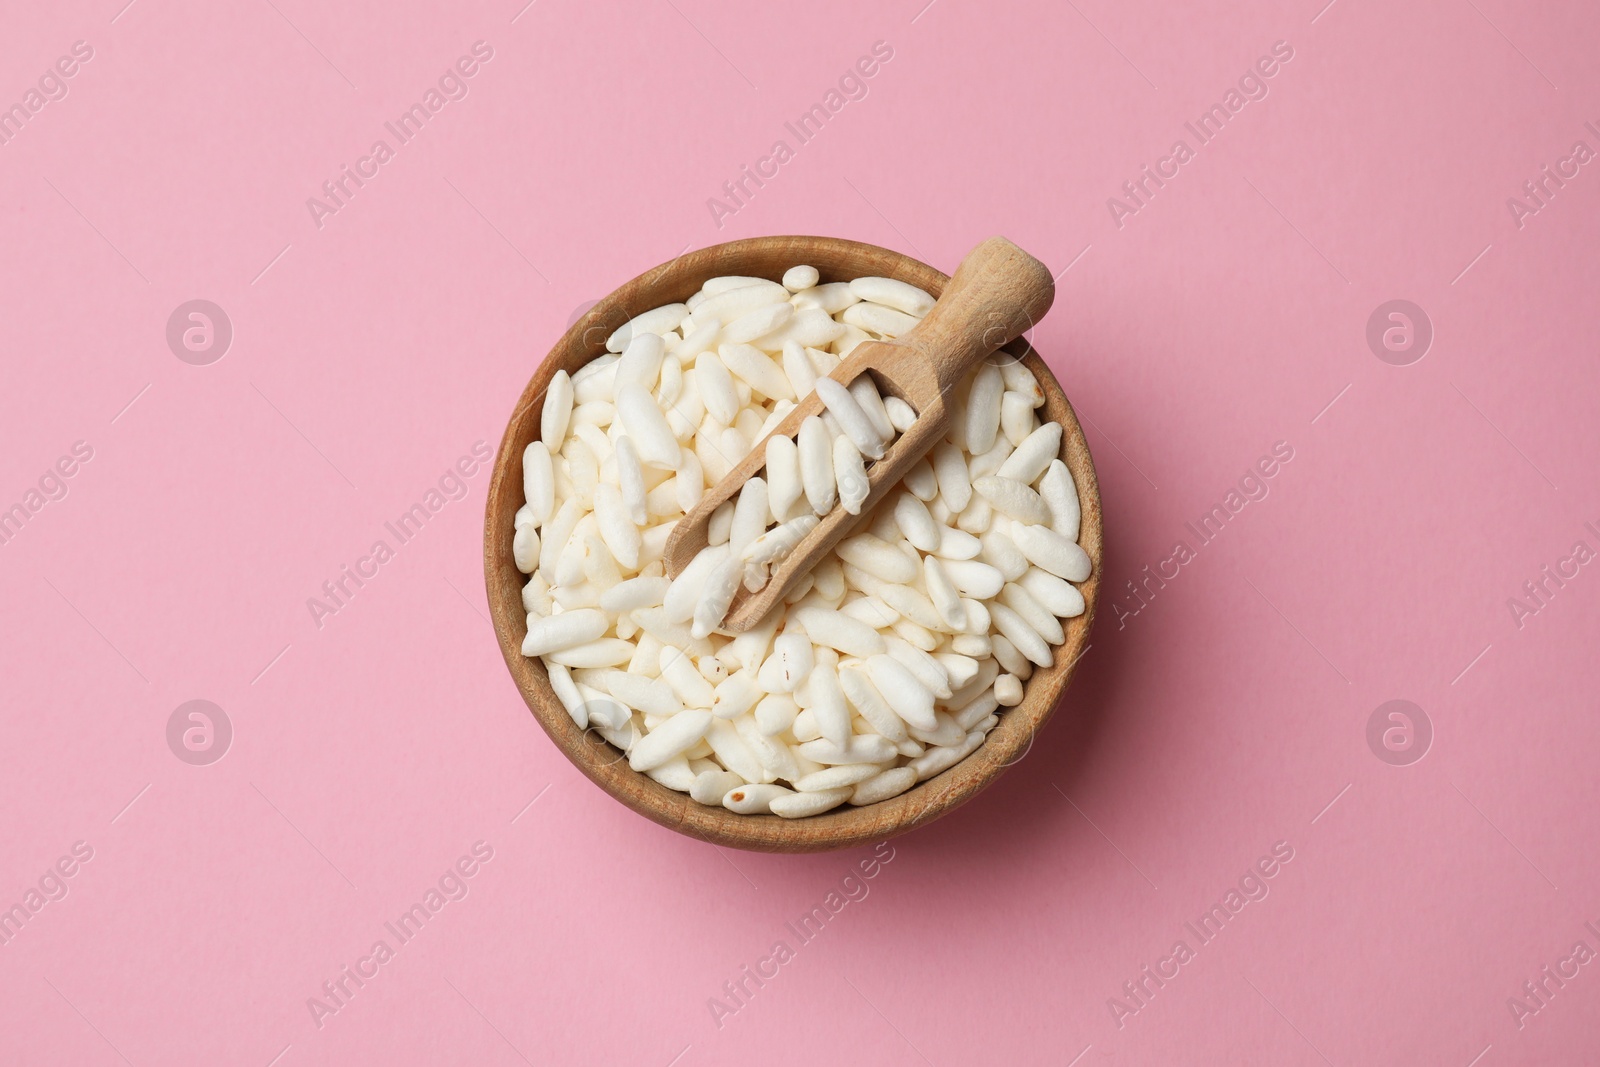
x,y
995,295
767,257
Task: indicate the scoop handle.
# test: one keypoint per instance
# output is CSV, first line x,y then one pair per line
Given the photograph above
x,y
997,293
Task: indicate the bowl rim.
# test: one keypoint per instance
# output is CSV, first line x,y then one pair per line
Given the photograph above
x,y
606,766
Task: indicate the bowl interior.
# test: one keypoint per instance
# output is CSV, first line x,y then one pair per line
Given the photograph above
x,y
673,282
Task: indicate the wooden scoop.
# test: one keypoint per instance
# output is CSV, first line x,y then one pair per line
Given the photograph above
x,y
997,292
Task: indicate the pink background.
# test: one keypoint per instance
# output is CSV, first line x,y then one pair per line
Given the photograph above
x,y
1227,715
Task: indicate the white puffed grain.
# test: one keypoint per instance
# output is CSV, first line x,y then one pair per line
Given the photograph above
x,y
754,799
988,671
604,652
945,732
647,427
557,411
829,576
877,318
630,479
1017,376
640,364
779,541
657,320
1060,495
756,369
538,482
929,670
816,464
793,655
710,786
723,282
801,805
1016,630
684,592
852,420
1016,418
798,368
837,777
798,278
525,549
975,645
732,752
974,578
942,591
805,727
753,324
922,481
717,596
776,758
1001,553
733,445
901,415
850,475
832,298
983,408
784,487
600,568
1013,499
990,461
961,670
720,524
729,304
977,517
751,514
555,537
775,714
596,367
827,704
617,529
836,630
890,783
905,695
567,692
957,544
567,630
861,748
602,709
979,708
715,384
640,592
1008,690
871,704
1047,549
679,672
676,735
696,342
950,467
1059,596
878,558
735,695
893,293
1034,455
1006,654
919,636
1033,613
915,523
934,761
867,397
810,328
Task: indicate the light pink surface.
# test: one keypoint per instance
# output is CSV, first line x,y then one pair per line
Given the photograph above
x,y
1227,715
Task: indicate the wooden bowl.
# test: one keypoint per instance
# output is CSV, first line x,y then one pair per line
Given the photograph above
x,y
1008,742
